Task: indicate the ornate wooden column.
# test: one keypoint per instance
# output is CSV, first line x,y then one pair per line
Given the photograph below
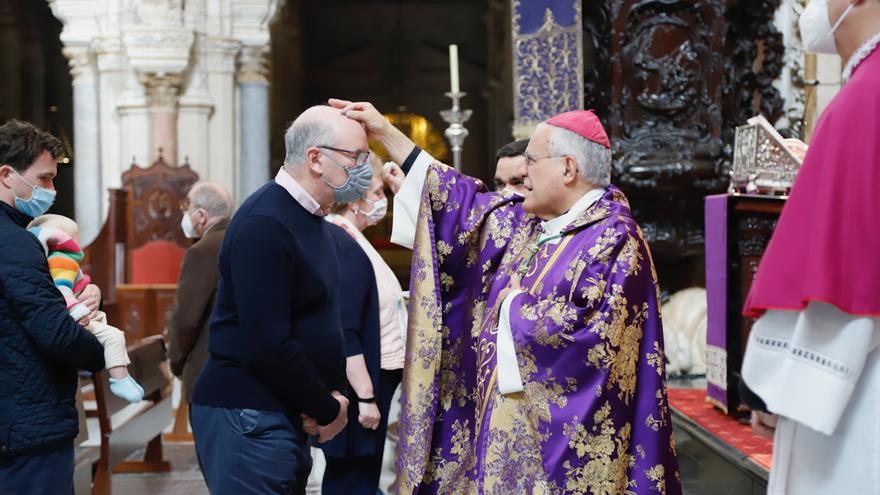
x,y
672,79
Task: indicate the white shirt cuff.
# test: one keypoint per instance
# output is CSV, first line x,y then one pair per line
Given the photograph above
x,y
509,380
407,200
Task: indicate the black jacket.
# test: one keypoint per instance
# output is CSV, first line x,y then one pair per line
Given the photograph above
x,y
40,346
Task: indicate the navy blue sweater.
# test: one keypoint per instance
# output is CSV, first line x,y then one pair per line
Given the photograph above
x,y
275,338
40,346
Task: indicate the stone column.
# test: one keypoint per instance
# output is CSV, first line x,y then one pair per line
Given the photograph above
x,y
220,56
111,82
253,81
162,99
86,144
547,61
194,117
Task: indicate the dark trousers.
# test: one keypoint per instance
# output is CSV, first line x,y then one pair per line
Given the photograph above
x,y
360,475
246,451
46,473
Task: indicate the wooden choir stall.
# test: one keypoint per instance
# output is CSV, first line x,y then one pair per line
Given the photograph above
x,y
135,260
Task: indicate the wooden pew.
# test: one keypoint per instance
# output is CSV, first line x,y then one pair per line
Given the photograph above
x,y
120,437
84,457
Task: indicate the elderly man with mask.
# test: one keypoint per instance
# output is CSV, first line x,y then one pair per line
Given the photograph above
x,y
813,355
535,352
207,210
277,360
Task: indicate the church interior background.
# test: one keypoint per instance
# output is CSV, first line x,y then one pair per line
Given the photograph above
x,y
210,85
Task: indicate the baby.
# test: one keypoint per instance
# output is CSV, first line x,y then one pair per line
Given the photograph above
x,y
59,236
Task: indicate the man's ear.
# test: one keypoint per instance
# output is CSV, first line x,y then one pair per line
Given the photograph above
x,y
313,161
571,171
6,175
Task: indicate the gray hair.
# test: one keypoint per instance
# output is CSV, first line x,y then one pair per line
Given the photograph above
x,y
593,160
301,136
211,197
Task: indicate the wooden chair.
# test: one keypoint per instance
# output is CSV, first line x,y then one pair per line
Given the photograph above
x,y
135,259
122,436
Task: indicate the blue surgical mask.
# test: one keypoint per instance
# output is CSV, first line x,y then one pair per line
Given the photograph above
x,y
359,179
41,200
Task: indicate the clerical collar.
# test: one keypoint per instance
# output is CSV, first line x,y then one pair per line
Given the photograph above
x,y
298,193
860,55
554,226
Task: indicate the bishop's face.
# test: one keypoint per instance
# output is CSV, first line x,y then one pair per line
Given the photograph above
x,y
543,174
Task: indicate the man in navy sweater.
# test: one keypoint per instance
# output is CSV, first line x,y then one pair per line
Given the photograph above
x,y
277,360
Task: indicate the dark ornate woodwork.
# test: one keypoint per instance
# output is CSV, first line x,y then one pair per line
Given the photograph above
x,y
750,222
672,79
155,194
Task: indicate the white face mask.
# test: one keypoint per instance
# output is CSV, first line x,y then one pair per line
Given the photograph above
x,y
380,209
817,32
188,230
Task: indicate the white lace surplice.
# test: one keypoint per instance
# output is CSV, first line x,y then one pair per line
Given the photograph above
x,y
820,370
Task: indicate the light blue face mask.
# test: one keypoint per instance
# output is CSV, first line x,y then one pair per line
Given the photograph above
x,y
359,179
41,200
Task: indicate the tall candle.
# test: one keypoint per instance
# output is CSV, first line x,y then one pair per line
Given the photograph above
x,y
453,67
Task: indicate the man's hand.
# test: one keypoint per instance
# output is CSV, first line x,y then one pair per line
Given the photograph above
x,y
309,425
764,424
512,285
395,142
84,321
326,433
365,113
91,298
393,175
369,415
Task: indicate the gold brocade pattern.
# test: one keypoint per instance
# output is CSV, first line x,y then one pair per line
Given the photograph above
x,y
592,311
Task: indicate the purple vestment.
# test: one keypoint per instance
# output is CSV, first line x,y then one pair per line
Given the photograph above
x,y
593,417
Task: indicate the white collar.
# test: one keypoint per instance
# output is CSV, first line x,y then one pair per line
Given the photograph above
x,y
555,225
861,54
285,180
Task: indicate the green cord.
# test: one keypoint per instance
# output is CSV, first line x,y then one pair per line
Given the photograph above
x,y
524,268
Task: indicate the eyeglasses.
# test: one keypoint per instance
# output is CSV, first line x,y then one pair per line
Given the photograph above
x,y
184,206
532,159
360,157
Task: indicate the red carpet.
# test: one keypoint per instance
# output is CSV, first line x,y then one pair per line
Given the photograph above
x,y
692,403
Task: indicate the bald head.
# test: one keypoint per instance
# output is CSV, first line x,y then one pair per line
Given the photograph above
x,y
321,126
211,197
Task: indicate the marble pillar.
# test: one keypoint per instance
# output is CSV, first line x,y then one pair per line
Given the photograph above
x,y
253,81
220,58
162,98
194,116
111,82
86,144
